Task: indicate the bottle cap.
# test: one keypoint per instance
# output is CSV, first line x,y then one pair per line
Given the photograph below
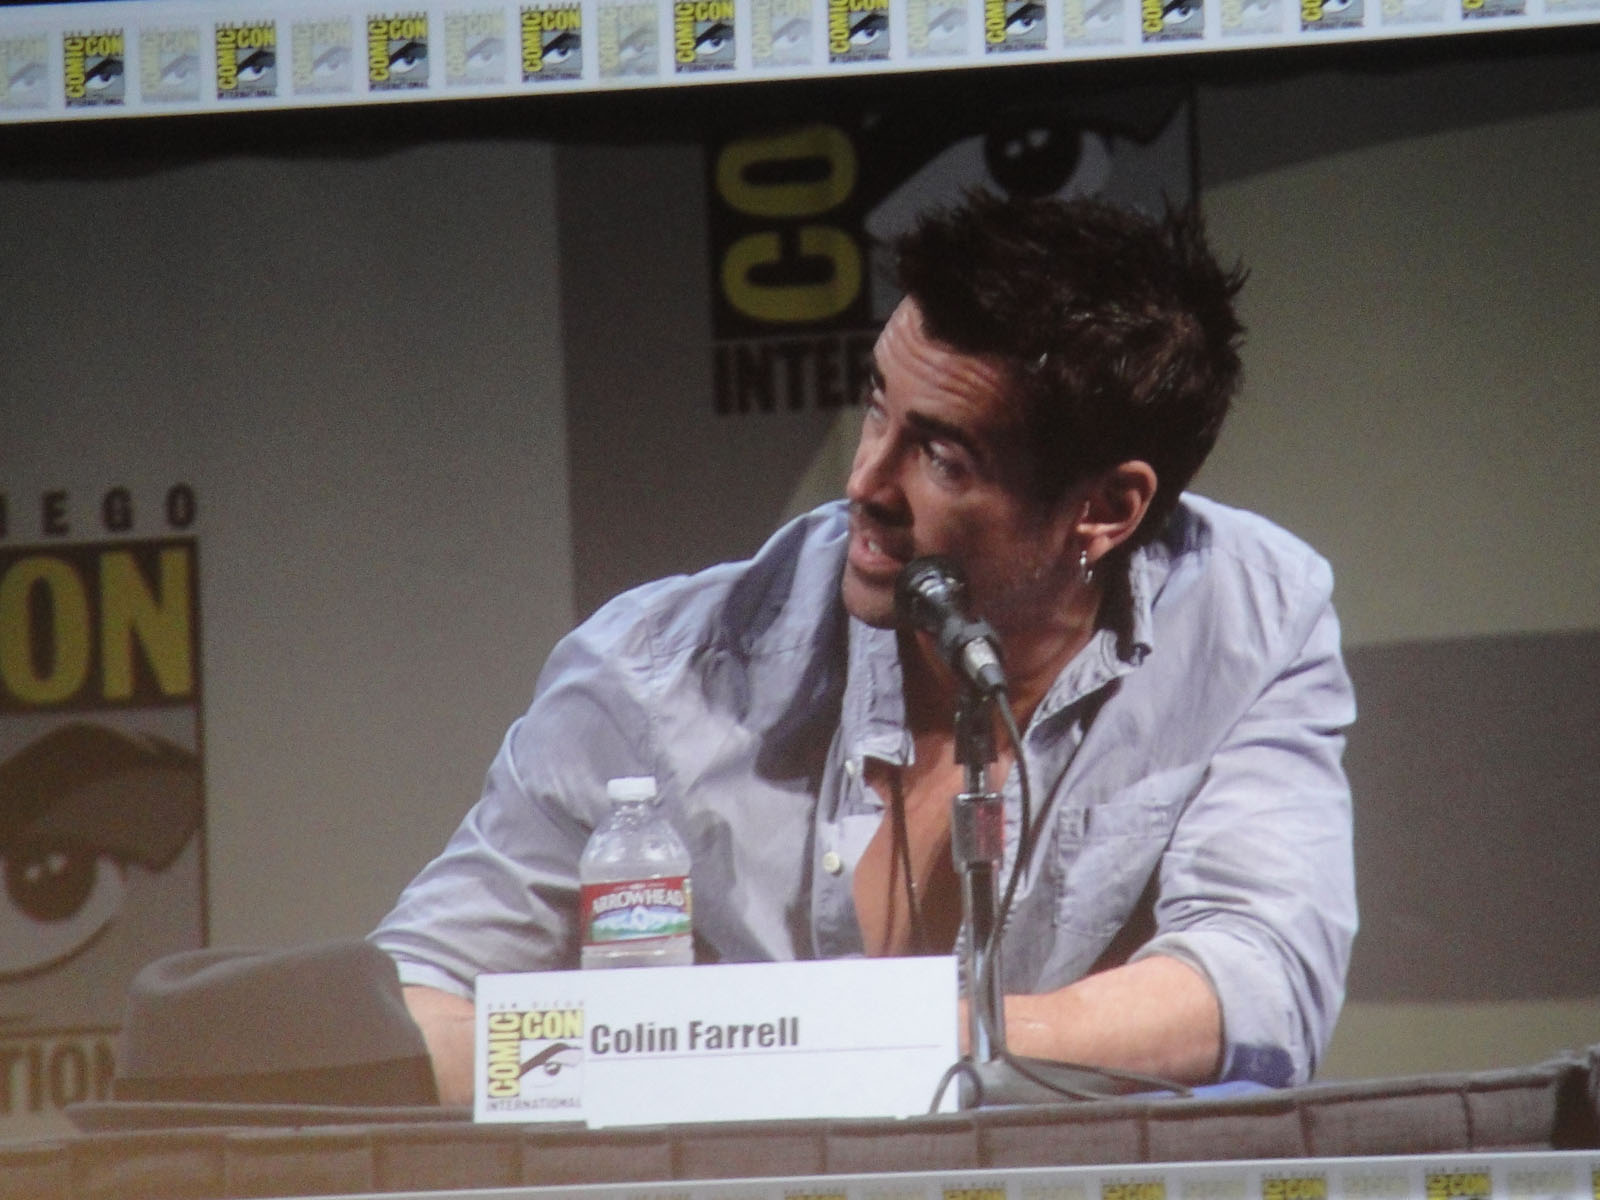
x,y
632,788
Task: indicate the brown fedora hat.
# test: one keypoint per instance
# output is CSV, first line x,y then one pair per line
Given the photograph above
x,y
245,1036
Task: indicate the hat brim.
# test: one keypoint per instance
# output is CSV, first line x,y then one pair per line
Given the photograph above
x,y
124,1116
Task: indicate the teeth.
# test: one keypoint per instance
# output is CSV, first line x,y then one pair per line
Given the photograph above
x,y
874,547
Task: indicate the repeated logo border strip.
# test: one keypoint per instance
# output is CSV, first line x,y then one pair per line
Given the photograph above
x,y
1536,1175
150,57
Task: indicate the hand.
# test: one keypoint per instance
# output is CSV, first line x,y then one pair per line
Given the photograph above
x,y
447,1024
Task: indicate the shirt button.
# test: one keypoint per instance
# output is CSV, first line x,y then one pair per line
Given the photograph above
x,y
832,863
852,767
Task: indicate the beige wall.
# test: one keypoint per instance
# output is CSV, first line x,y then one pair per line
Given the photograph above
x,y
1423,373
1423,404
355,363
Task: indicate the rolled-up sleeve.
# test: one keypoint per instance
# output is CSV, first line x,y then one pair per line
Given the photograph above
x,y
502,896
1257,886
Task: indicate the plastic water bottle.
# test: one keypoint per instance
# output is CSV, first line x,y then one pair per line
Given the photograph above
x,y
634,874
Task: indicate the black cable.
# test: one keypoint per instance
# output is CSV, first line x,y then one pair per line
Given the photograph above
x,y
897,807
1027,838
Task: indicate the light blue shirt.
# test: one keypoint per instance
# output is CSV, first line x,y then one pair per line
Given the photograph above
x,y
1199,753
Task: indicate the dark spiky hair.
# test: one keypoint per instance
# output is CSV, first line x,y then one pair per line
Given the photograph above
x,y
1117,331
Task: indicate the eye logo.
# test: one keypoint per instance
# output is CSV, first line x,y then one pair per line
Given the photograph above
x,y
534,1055
79,807
553,1059
397,52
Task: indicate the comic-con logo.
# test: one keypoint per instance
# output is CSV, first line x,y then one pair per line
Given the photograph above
x,y
474,48
858,30
1250,16
936,27
1294,1187
397,52
780,33
1317,15
1475,9
1457,1185
552,43
1133,1189
247,60
628,46
169,65
92,68
24,73
1013,25
702,35
533,1049
324,57
1171,20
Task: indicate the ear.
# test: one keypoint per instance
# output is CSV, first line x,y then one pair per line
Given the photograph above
x,y
1111,506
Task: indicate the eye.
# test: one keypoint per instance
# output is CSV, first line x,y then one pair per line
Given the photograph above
x,y
408,57
180,69
947,463
561,49
30,76
948,21
77,806
330,61
635,46
869,29
791,33
257,65
1025,19
57,899
714,39
485,52
104,75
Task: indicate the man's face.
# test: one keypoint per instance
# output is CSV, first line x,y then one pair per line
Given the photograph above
x,y
940,469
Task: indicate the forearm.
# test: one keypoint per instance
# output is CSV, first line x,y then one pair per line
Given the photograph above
x,y
446,1021
1158,1016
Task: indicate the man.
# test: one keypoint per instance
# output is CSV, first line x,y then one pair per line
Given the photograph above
x,y
1054,378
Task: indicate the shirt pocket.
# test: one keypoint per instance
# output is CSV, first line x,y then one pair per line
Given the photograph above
x,y
1104,851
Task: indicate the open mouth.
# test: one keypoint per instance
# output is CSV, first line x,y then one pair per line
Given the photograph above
x,y
874,554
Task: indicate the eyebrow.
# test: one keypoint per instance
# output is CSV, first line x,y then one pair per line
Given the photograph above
x,y
944,431
932,427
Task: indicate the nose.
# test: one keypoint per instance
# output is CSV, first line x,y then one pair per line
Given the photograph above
x,y
874,478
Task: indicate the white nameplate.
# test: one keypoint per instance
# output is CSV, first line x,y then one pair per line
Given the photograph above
x,y
735,1042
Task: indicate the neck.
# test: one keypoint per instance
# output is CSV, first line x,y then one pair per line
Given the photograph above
x,y
1035,655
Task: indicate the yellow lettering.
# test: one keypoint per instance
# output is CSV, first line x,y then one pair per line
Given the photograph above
x,y
129,611
56,583
838,28
532,45
994,21
823,143
377,51
683,33
793,302
72,53
552,1024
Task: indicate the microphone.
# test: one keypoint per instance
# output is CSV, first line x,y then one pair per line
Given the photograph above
x,y
931,595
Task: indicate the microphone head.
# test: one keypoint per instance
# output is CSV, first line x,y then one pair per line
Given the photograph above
x,y
928,590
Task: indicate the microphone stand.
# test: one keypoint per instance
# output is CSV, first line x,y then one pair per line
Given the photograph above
x,y
977,846
991,1078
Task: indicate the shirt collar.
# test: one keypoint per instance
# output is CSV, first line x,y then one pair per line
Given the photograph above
x,y
873,714
874,711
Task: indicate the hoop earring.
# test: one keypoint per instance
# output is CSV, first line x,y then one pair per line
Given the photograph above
x,y
1084,569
